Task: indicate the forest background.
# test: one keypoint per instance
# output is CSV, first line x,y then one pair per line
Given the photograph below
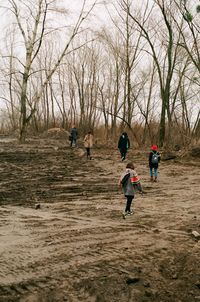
x,y
107,66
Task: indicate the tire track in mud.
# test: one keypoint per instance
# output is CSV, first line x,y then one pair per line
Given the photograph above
x,y
77,247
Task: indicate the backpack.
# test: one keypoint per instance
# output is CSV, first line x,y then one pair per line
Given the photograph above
x,y
154,159
125,179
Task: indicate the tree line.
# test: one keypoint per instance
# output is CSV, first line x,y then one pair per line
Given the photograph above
x,y
140,72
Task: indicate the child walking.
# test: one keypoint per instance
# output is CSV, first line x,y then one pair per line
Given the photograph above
x,y
154,159
88,143
129,181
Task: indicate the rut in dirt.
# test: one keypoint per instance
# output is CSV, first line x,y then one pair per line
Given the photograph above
x,y
76,246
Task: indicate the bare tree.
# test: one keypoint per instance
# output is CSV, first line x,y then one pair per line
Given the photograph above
x,y
190,32
165,68
129,53
33,28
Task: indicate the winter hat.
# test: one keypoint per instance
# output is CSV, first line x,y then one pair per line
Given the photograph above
x,y
154,147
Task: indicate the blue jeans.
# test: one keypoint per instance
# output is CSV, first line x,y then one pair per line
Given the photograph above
x,y
155,172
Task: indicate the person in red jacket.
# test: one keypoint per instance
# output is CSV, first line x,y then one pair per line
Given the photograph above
x,y
154,159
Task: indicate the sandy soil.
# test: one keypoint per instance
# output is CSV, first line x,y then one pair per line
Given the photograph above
x,y
77,246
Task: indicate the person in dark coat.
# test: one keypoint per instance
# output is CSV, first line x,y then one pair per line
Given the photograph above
x,y
73,135
154,159
123,145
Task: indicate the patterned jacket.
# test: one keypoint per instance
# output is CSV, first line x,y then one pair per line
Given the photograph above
x,y
128,187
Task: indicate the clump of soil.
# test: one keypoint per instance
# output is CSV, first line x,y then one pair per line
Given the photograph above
x,y
195,152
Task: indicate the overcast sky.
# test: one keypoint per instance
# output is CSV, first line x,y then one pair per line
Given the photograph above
x,y
99,13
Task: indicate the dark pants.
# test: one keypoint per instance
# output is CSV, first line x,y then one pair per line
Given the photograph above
x,y
128,203
73,141
88,153
123,153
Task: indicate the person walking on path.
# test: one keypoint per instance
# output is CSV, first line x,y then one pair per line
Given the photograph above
x,y
88,143
129,181
123,145
73,135
154,160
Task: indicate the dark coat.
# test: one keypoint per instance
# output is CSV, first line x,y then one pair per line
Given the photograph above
x,y
151,165
74,133
123,143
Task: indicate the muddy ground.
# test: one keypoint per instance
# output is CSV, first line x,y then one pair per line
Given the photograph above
x,y
63,238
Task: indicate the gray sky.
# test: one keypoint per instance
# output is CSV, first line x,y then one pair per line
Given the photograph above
x,y
99,13
98,17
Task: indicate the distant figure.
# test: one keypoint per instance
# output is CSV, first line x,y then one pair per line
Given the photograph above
x,y
154,159
129,181
88,143
73,135
123,145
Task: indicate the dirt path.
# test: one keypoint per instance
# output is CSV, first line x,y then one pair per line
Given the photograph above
x,y
76,246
